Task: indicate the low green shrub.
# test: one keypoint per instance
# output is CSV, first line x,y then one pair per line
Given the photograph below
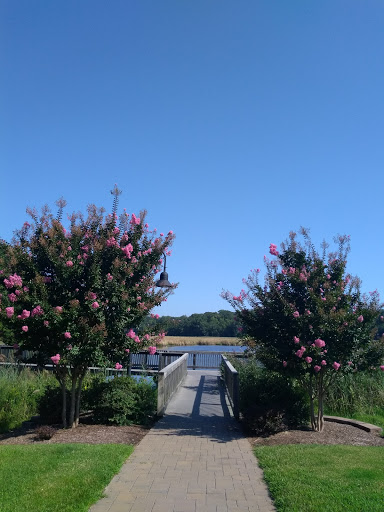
x,y
20,392
269,402
125,401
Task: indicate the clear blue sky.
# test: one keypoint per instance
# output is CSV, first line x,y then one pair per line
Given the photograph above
x,y
231,122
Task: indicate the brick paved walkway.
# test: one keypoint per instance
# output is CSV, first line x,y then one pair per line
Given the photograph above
x,y
193,460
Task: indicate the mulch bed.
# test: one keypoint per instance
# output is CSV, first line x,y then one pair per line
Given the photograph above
x,y
334,433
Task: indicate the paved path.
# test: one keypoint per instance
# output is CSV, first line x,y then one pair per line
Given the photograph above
x,y
193,460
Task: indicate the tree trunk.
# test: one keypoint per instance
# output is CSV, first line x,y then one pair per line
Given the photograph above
x,y
73,401
78,397
64,402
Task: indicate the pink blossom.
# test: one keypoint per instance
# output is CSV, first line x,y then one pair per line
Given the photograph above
x,y
111,242
127,250
116,231
317,368
58,309
18,292
134,220
95,305
26,289
69,263
323,362
10,312
296,314
25,328
46,323
47,279
109,277
127,350
300,353
285,364
152,350
336,366
69,248
350,363
319,343
296,339
92,296
307,312
55,359
382,367
69,347
67,335
25,314
328,276
137,339
292,270
12,297
273,250
170,232
131,334
360,318
308,359
161,234
118,366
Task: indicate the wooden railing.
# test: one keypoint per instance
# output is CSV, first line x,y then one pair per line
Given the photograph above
x,y
231,379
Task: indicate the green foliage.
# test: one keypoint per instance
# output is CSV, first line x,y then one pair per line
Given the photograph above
x,y
57,477
221,323
269,402
20,392
124,401
50,405
313,478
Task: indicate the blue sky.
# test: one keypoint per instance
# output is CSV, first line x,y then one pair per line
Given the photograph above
x,y
232,123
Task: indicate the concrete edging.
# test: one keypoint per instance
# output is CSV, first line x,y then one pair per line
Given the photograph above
x,y
368,427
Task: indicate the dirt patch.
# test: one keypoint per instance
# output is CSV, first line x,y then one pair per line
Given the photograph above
x,y
333,433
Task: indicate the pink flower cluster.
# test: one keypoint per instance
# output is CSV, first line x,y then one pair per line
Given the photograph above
x,y
152,350
273,250
118,366
37,311
13,281
55,359
134,220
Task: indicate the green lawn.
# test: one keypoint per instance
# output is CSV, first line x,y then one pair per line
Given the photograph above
x,y
313,478
57,477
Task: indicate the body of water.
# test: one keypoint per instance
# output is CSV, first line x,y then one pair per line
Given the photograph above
x,y
206,348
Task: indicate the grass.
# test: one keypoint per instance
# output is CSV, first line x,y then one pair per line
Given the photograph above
x,y
170,341
309,478
64,477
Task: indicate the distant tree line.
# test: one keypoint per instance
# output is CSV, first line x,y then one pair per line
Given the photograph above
x,y
221,323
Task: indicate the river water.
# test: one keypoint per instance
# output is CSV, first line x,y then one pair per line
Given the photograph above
x,y
206,348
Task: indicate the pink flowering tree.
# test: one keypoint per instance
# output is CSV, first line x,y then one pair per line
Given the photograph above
x,y
75,296
309,320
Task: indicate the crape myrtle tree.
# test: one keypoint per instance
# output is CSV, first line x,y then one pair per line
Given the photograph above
x,y
309,320
74,297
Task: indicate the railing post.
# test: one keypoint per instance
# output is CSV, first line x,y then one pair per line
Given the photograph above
x,y
194,361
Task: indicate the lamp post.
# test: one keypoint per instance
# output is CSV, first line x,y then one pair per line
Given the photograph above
x,y
163,281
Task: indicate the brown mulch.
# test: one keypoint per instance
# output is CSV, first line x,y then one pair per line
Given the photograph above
x,y
84,433
333,433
